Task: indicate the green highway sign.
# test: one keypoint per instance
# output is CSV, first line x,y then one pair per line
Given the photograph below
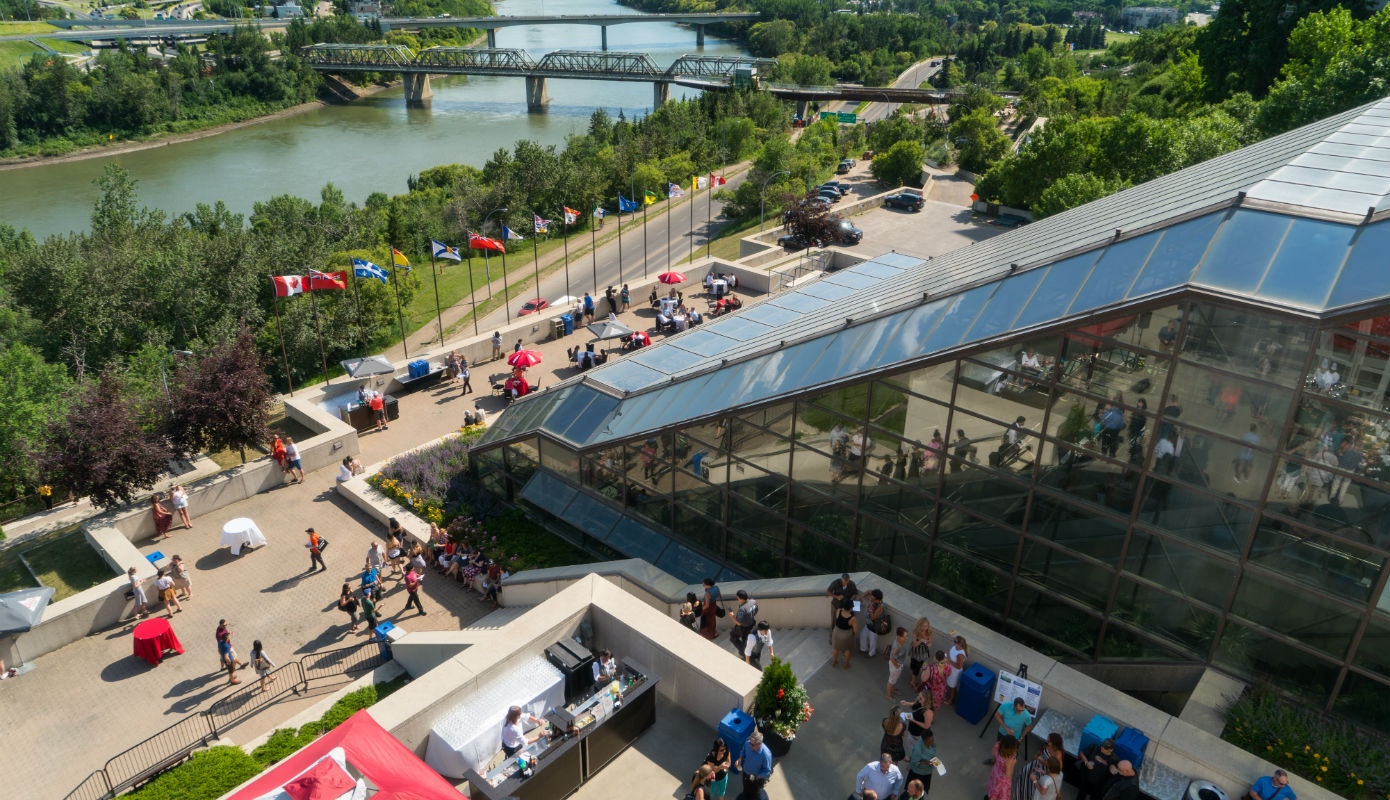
x,y
847,117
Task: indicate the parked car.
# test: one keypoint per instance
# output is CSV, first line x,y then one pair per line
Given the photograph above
x,y
911,202
844,167
840,191
1008,221
795,241
532,306
830,195
845,232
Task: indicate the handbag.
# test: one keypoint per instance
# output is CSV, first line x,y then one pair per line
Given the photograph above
x,y
323,543
720,612
884,624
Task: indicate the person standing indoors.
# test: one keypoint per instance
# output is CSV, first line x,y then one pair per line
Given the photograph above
x,y
315,544
921,648
882,777
756,763
347,603
292,463
182,575
1095,761
162,517
921,762
261,663
897,653
178,497
843,632
413,580
719,760
1002,774
959,652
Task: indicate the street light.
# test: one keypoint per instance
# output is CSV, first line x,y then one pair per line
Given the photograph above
x,y
164,376
762,207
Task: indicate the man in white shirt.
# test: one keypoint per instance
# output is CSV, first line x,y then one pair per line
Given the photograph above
x,y
753,648
882,777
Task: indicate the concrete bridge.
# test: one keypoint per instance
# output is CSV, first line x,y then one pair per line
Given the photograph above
x,y
91,29
702,72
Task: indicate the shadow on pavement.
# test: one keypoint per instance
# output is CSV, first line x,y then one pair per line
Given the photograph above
x,y
183,687
219,558
125,667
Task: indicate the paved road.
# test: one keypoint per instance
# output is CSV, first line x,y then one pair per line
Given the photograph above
x,y
911,78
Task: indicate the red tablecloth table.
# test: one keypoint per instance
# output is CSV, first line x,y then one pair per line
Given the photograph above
x,y
153,637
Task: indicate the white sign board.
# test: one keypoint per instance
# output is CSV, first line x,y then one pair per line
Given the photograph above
x,y
1010,686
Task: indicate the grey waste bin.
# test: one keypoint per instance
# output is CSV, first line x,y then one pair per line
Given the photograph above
x,y
1205,790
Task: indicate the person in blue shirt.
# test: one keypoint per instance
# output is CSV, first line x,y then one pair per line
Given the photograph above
x,y
1014,720
756,763
711,592
370,580
1272,787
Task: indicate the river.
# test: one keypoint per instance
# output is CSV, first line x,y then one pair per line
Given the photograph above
x,y
372,144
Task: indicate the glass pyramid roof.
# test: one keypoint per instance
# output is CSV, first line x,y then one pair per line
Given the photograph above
x,y
1198,228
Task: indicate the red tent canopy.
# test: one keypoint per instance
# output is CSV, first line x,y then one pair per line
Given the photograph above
x,y
397,772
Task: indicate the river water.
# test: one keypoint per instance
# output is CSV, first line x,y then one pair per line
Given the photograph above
x,y
372,144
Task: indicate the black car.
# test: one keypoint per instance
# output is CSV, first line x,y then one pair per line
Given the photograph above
x,y
795,241
911,202
845,167
834,187
844,232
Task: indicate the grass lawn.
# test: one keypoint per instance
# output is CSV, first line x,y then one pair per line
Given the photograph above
x,y
1112,37
17,28
725,245
15,54
62,559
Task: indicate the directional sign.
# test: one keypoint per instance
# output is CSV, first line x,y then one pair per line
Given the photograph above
x,y
846,117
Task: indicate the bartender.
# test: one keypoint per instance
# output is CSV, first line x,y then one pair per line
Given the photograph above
x,y
514,737
605,667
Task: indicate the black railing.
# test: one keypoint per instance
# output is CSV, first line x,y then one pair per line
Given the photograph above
x,y
171,746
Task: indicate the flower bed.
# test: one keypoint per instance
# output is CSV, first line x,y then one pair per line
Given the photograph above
x,y
1324,751
421,479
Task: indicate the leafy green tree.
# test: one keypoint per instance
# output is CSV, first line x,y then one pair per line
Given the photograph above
x,y
897,128
900,166
1335,62
1244,47
1073,190
803,70
772,38
33,399
979,140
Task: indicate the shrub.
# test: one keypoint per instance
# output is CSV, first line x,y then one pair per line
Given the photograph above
x,y
207,775
781,704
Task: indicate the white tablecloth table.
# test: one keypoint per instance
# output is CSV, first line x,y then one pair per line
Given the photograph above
x,y
241,532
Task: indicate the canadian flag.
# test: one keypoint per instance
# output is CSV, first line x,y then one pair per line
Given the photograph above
x,y
716,180
286,285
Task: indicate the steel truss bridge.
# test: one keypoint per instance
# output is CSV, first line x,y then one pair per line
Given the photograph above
x,y
702,72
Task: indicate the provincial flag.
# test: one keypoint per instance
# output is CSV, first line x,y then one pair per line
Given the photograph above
x,y
542,225
672,190
327,280
648,198
716,180
484,243
287,285
571,216
599,212
442,250
625,204
366,269
701,182
508,233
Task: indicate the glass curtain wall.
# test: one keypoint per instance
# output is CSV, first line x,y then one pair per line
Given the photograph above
x,y
1193,481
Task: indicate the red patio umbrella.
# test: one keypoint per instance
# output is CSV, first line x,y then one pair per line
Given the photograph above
x,y
671,277
524,358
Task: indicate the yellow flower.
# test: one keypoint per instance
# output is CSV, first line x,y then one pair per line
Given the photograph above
x,y
1359,782
1287,754
1269,747
1324,769
1315,755
1319,779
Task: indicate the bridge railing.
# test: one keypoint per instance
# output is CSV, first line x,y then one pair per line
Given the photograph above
x,y
599,62
376,55
474,57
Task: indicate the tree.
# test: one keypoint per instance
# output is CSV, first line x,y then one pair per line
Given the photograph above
x,y
772,38
900,166
222,401
1335,62
979,139
33,398
811,220
98,449
1073,190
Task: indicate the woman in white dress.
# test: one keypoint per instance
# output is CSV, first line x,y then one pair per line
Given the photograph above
x,y
179,497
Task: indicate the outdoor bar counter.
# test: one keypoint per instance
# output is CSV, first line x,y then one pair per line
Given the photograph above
x,y
360,416
589,733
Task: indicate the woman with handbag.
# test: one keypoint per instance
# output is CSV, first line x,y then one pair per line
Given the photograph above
x,y
843,632
261,663
921,650
876,622
893,729
347,603
699,785
689,612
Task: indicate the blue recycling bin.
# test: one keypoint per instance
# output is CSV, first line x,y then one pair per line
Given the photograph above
x,y
1098,730
735,729
382,635
975,693
1130,746
568,319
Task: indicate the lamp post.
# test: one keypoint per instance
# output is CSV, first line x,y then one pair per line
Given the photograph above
x,y
762,207
164,377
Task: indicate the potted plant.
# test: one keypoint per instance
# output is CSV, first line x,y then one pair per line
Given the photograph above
x,y
780,706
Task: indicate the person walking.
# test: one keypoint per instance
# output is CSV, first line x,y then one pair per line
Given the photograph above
x,y
315,544
183,577
261,663
882,777
226,653
1002,773
164,588
162,517
413,579
1271,787
755,761
755,643
921,762
292,463
137,593
720,760
842,632
347,603
466,377
369,614
376,557
178,497
745,618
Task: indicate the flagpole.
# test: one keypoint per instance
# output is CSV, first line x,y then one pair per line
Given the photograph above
x,y
536,256
357,301
405,351
644,235
289,381
620,245
487,272
472,290
565,238
694,186
438,312
323,356
593,248
709,216
669,212
506,296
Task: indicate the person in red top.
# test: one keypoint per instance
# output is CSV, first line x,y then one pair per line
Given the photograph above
x,y
277,452
378,406
516,387
412,588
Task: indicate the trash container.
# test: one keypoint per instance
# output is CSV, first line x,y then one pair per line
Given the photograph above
x,y
1205,790
568,320
1130,746
1098,730
975,692
385,634
735,729
557,328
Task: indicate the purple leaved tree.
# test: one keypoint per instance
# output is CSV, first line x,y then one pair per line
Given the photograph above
x,y
222,401
98,448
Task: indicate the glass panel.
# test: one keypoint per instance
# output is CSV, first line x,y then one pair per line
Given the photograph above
x,y
669,360
1077,529
893,501
1236,469
1013,294
892,545
1363,699
895,411
1045,615
817,552
987,541
1373,652
1246,651
636,540
1247,343
1366,273
1317,622
1106,358
1116,427
756,557
629,375
1006,448
698,528
1178,251
1115,272
548,492
708,500
1186,571
762,448
1124,644
966,578
1332,501
1240,254
815,468
850,402
956,319
913,327
757,485
591,516
1195,517
1160,614
1055,293
1314,560
1065,573
1351,364
603,472
819,511
1310,241
522,458
934,382
559,458
564,412
686,564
